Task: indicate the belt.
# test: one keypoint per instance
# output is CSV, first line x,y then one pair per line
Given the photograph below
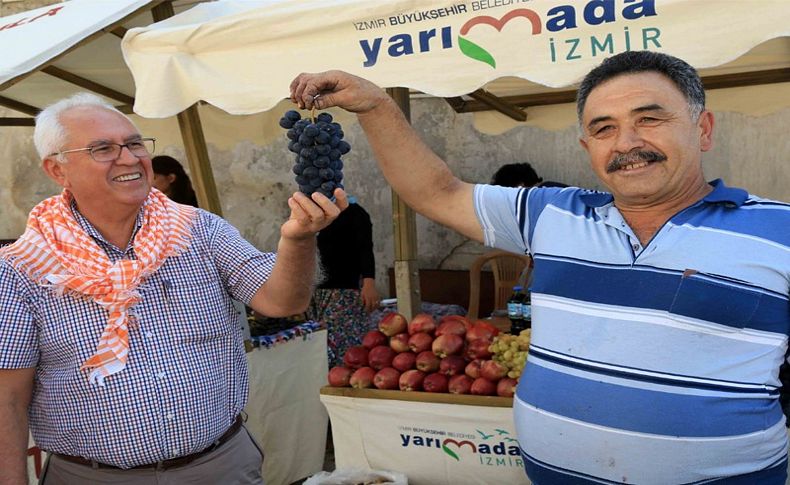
x,y
165,464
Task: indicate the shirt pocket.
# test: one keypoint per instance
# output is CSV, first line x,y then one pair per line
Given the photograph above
x,y
198,309
715,299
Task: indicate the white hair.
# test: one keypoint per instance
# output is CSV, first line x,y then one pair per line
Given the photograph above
x,y
49,135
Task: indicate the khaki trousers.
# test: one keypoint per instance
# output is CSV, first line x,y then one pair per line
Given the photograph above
x,y
238,461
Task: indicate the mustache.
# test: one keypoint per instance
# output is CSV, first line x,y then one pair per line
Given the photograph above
x,y
623,159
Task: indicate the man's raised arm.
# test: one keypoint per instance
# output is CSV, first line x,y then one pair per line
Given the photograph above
x,y
418,175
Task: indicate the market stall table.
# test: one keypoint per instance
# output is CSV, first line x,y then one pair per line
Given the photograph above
x,y
287,371
432,438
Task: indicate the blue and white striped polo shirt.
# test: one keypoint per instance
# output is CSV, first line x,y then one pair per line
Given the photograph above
x,y
186,379
653,364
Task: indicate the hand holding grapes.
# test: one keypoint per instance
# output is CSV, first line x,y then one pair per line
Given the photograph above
x,y
336,88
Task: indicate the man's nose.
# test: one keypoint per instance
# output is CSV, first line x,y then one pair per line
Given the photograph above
x,y
628,138
126,157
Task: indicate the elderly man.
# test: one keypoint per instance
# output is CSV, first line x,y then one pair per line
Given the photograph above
x,y
660,309
118,337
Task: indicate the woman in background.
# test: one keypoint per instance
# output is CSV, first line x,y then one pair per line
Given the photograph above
x,y
348,292
171,179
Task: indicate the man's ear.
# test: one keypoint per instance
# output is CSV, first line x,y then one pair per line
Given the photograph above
x,y
583,143
705,124
55,171
171,177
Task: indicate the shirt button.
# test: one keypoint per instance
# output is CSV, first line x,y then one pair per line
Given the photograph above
x,y
170,416
176,452
636,247
149,334
160,375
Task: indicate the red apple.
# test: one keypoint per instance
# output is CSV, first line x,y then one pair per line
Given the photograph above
x,y
492,370
483,330
339,376
483,387
392,324
386,378
506,387
449,344
452,365
478,349
460,384
404,361
427,361
422,322
420,342
400,343
473,369
451,326
411,380
356,357
362,378
381,357
435,383
374,338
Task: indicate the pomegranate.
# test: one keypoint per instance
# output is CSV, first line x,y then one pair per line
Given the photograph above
x,y
356,357
478,349
392,324
473,369
427,361
362,378
400,343
422,322
435,383
452,365
449,344
404,361
454,327
506,387
483,387
492,370
419,342
460,384
411,380
374,338
483,330
381,357
339,376
386,378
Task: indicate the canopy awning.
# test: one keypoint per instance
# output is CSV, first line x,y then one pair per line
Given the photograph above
x,y
242,56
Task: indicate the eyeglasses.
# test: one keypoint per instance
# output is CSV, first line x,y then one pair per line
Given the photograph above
x,y
110,152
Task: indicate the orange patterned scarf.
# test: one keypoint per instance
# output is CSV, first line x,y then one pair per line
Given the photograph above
x,y
56,251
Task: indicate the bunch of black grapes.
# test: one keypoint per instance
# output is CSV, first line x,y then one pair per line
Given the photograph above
x,y
318,144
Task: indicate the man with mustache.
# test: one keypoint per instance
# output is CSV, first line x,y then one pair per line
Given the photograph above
x,y
119,341
660,309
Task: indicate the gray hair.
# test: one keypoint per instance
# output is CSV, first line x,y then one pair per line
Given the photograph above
x,y
49,135
678,71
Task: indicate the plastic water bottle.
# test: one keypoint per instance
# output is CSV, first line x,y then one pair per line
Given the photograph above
x,y
514,310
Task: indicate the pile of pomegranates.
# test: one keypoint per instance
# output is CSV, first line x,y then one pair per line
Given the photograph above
x,y
452,355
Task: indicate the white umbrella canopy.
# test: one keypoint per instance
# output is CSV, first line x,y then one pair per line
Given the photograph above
x,y
241,56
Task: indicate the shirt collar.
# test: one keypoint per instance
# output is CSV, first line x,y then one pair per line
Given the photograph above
x,y
720,193
94,233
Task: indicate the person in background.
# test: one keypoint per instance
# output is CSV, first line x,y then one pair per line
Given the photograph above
x,y
120,347
520,175
347,292
171,179
660,309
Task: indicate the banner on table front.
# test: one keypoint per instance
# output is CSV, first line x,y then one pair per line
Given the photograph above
x,y
431,443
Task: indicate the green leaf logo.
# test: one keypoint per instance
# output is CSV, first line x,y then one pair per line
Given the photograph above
x,y
470,49
450,452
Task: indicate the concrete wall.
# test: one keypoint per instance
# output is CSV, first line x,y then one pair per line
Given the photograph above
x,y
252,165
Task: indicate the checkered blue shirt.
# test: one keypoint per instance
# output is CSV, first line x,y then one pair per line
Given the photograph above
x,y
186,378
